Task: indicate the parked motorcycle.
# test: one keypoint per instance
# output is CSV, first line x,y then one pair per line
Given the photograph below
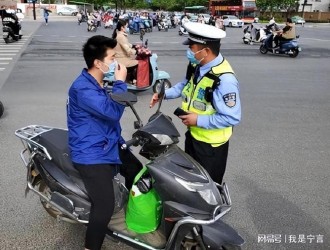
x,y
8,33
254,34
156,77
2,109
147,24
289,47
92,25
163,25
182,31
192,204
137,27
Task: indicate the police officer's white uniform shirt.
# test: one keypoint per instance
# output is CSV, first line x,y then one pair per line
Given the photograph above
x,y
227,114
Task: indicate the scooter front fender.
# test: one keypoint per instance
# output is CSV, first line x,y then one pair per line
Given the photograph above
x,y
220,234
163,75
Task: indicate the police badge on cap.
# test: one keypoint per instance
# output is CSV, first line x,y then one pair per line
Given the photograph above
x,y
203,33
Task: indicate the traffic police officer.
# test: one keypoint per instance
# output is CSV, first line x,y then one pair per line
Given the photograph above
x,y
210,95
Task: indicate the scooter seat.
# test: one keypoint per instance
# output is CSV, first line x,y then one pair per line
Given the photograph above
x,y
56,142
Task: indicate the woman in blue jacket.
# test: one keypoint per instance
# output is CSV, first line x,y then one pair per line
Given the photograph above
x,y
95,134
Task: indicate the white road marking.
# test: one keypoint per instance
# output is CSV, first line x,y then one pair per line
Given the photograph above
x,y
5,58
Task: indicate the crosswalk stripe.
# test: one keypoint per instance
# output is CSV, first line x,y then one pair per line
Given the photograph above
x,y
5,58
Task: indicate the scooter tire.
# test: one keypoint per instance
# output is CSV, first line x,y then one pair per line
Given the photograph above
x,y
295,53
157,86
2,109
180,33
20,36
263,49
6,40
245,42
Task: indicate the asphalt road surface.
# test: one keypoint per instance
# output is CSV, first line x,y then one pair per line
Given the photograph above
x,y
278,166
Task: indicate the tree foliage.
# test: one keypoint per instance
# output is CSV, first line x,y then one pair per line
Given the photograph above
x,y
277,5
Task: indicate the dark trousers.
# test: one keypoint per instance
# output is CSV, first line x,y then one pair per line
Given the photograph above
x,y
213,159
98,182
278,39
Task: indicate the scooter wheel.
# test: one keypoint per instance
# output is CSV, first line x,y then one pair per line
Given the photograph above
x,y
294,53
6,40
263,49
2,109
245,42
158,85
180,33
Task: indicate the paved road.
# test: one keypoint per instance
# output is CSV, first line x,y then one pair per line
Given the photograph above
x,y
278,167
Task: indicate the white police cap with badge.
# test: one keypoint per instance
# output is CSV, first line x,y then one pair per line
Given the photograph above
x,y
202,33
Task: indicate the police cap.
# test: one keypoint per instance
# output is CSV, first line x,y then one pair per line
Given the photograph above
x,y
202,33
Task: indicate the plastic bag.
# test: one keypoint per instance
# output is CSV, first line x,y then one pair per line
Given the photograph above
x,y
144,210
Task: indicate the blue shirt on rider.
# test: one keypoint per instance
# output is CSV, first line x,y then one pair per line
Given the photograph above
x,y
93,121
225,116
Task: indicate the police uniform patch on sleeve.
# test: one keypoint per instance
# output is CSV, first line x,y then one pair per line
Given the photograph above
x,y
230,99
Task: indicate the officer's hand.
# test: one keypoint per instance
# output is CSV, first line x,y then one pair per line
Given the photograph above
x,y
190,119
154,100
120,72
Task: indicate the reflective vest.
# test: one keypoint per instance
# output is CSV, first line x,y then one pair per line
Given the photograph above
x,y
194,98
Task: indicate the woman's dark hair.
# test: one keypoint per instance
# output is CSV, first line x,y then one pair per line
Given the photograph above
x,y
121,23
96,48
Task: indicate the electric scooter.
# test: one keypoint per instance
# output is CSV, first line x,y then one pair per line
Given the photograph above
x,y
192,205
137,26
8,33
156,77
182,31
289,47
254,34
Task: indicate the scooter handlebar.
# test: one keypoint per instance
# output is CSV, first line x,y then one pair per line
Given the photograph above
x,y
132,142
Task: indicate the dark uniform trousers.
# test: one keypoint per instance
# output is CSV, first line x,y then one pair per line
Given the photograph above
x,y
213,159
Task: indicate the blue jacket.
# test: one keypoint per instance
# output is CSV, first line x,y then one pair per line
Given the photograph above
x,y
93,121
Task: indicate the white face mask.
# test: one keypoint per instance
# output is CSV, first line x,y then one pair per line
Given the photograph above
x,y
111,71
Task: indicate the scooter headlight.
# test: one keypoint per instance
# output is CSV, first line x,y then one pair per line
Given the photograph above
x,y
205,192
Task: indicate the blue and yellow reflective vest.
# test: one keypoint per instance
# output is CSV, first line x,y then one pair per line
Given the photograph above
x,y
194,98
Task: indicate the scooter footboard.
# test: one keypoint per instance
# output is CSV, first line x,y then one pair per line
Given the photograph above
x,y
220,234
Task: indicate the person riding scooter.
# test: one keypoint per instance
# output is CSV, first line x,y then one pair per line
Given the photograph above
x,y
10,19
125,52
286,34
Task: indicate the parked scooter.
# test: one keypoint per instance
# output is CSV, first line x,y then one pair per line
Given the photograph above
x,y
289,47
182,31
192,204
11,23
254,34
147,24
92,25
2,109
162,24
136,26
156,76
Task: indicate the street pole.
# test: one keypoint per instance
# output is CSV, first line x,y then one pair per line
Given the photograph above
x,y
34,10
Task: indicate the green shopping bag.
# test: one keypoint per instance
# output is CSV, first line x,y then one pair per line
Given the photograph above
x,y
143,212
